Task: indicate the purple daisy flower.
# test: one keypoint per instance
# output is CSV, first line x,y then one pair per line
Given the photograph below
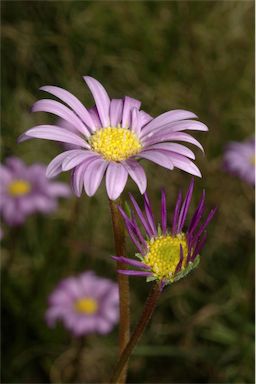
x,y
85,304
111,137
25,190
166,254
239,159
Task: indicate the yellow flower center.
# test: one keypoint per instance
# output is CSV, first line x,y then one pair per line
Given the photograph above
x,y
164,254
19,188
86,305
253,160
115,143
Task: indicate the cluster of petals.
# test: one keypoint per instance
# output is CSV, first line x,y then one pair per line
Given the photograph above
x,y
25,190
195,234
155,137
84,288
239,160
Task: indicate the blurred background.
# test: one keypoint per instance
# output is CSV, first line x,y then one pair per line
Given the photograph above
x,y
171,55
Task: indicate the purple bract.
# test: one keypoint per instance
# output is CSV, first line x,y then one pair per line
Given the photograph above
x,y
25,190
85,304
166,254
110,137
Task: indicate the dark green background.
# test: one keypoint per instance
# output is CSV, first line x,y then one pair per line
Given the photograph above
x,y
194,55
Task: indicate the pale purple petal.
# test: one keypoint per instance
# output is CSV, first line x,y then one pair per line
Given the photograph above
x,y
135,121
101,98
157,157
23,137
78,175
71,101
93,175
116,178
190,125
95,117
116,111
129,104
62,111
166,118
75,158
145,118
177,136
53,132
137,173
55,166
185,164
173,147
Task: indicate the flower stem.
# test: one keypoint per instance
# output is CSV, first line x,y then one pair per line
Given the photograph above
x,y
144,319
123,285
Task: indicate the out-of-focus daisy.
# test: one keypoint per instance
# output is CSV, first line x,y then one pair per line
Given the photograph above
x,y
85,304
111,137
239,159
25,190
166,254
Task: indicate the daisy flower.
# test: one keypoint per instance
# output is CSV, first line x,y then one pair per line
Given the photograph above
x,y
111,137
85,304
25,190
239,159
166,254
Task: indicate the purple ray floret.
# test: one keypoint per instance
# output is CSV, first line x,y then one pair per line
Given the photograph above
x,y
91,138
184,245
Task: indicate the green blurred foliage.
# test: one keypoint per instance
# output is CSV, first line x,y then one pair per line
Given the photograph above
x,y
194,55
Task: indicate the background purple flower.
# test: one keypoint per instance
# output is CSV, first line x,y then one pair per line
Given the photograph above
x,y
111,137
85,304
25,190
239,159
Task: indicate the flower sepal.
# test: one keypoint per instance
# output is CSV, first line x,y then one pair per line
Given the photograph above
x,y
191,265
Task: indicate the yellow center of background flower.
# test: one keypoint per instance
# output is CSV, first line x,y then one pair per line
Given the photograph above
x,y
253,160
19,188
86,305
164,254
115,143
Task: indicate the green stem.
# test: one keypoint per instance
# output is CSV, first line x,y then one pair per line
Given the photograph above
x,y
144,319
123,284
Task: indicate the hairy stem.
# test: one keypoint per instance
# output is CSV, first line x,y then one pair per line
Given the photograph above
x,y
144,319
123,285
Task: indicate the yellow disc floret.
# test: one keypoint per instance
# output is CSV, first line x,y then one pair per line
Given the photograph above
x,y
115,143
19,188
86,305
163,254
